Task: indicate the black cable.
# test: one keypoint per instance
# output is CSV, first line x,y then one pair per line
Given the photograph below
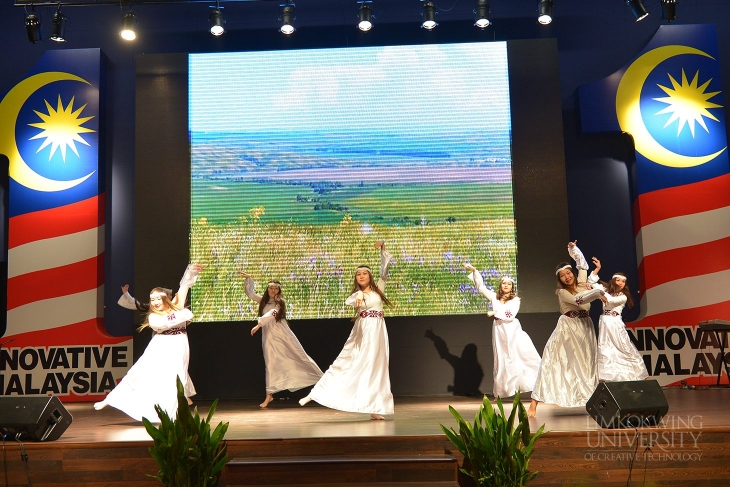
x,y
631,461
5,462
24,458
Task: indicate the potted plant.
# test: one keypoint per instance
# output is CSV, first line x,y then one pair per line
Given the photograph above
x,y
185,449
496,449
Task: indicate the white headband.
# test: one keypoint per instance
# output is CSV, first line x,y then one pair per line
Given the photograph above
x,y
618,276
567,266
157,294
272,283
362,268
507,278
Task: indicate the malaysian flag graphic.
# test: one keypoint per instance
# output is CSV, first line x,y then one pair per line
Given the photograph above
x,y
55,339
669,99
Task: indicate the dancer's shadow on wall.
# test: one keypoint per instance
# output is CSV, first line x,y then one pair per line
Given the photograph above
x,y
468,373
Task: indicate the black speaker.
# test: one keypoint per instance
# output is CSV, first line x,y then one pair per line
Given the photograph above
x,y
628,404
33,418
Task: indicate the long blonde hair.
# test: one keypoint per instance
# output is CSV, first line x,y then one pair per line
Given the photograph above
x,y
166,300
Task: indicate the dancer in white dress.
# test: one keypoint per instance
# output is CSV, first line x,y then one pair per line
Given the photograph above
x,y
152,379
516,360
288,367
568,372
358,380
618,358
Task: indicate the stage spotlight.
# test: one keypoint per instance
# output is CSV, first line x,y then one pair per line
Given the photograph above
x,y
482,13
33,26
58,26
637,8
288,16
216,21
129,22
669,10
365,14
544,11
429,14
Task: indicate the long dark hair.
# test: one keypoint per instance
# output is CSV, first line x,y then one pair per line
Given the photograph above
x,y
281,304
612,288
373,287
574,289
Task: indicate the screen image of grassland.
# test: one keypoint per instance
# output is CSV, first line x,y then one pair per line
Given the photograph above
x,y
301,196
310,222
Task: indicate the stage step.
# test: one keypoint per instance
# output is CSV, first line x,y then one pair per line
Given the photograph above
x,y
399,470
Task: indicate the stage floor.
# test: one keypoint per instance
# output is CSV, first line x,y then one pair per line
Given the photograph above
x,y
704,409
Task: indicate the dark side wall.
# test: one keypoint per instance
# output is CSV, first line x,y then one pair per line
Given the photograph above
x,y
594,39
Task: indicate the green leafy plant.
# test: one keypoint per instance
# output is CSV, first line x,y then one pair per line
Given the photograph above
x,y
496,449
187,452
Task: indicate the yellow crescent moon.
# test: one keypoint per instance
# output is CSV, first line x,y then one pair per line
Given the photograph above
x,y
628,108
9,109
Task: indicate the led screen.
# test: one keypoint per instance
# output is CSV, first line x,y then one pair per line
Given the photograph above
x,y
302,159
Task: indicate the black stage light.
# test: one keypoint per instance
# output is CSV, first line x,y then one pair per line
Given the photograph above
x,y
365,14
482,14
669,10
544,11
129,23
429,16
33,26
216,21
637,8
288,16
58,26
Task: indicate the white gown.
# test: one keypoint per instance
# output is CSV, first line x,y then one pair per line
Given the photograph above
x,y
288,367
618,358
151,380
568,373
516,360
358,380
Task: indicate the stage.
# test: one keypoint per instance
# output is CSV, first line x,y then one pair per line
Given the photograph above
x,y
308,445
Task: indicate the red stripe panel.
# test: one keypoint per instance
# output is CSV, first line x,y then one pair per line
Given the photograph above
x,y
687,199
684,317
674,264
56,222
90,332
59,281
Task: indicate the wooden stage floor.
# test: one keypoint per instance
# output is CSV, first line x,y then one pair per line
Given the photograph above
x,y
692,445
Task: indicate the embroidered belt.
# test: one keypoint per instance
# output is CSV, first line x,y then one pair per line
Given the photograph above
x,y
610,312
371,313
576,314
174,331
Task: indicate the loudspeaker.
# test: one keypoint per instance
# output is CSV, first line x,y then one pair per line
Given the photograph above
x,y
627,404
33,418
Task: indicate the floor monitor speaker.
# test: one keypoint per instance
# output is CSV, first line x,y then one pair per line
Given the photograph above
x,y
33,418
628,404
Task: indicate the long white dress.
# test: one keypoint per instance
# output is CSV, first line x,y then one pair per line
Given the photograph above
x,y
618,358
516,360
358,380
152,379
288,367
568,373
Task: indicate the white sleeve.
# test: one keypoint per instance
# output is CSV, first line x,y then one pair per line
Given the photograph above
x,y
352,298
189,277
127,301
268,317
160,323
476,277
577,255
250,285
385,258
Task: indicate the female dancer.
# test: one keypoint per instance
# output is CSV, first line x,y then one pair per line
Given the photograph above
x,y
287,364
618,358
152,379
568,373
358,380
516,361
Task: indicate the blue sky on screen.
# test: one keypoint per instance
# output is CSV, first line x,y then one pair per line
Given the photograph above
x,y
446,88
